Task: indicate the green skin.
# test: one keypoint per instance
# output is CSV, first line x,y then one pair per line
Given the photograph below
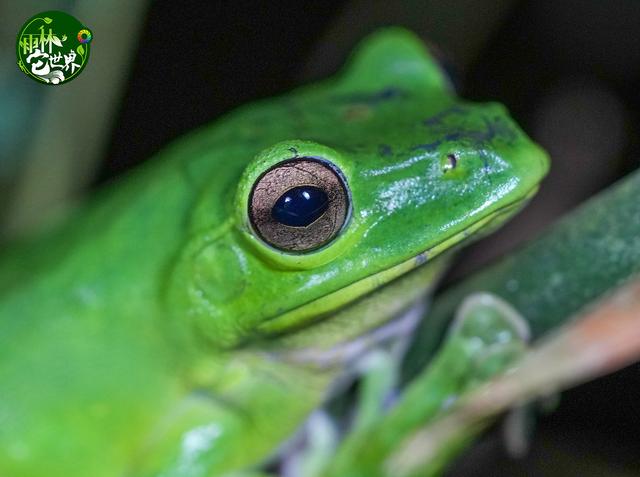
x,y
154,334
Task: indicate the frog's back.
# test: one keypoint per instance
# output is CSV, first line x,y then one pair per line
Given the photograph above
x,y
82,345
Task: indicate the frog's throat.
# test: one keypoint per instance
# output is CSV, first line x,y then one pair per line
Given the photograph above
x,y
327,304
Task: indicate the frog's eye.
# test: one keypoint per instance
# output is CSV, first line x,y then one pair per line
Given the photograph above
x,y
299,205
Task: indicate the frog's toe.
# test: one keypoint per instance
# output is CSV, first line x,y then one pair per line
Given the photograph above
x,y
310,453
492,331
489,318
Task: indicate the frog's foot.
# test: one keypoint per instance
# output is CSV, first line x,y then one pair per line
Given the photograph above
x,y
311,453
492,336
379,372
519,424
492,330
486,337
313,449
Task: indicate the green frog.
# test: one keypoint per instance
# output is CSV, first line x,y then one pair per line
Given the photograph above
x,y
187,319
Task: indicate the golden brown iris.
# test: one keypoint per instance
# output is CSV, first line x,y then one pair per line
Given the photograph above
x,y
291,175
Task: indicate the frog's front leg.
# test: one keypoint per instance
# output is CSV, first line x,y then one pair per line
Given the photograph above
x,y
237,414
486,337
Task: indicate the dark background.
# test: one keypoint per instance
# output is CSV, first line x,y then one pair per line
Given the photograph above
x,y
569,71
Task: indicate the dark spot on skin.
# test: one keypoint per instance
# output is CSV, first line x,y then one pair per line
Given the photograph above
x,y
439,118
494,128
385,150
389,93
293,151
420,259
371,99
502,128
495,125
449,126
485,163
432,146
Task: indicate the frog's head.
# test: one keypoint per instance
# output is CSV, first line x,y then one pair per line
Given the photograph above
x,y
388,169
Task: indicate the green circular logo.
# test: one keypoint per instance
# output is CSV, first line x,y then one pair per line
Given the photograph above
x,y
53,47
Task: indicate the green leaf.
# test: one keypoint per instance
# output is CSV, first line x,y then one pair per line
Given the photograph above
x,y
47,20
80,50
56,41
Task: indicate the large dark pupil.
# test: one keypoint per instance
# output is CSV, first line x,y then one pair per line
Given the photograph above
x,y
300,206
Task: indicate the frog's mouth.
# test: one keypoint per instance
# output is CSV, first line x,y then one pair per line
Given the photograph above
x,y
408,275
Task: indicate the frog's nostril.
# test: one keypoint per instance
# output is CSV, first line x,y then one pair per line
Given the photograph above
x,y
451,162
